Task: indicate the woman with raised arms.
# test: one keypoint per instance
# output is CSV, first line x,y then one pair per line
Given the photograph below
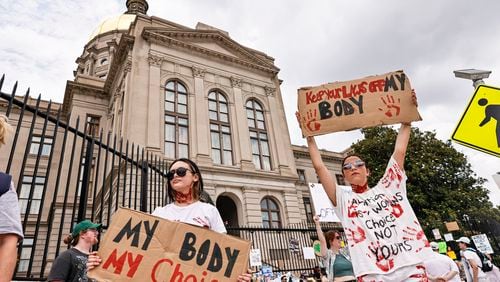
x,y
385,240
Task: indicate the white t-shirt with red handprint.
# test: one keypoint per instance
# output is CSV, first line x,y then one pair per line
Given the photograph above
x,y
382,230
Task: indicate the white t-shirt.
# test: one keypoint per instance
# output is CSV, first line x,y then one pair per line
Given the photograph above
x,y
197,213
381,228
439,265
471,255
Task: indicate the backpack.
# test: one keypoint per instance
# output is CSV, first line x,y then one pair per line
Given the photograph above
x,y
486,264
4,183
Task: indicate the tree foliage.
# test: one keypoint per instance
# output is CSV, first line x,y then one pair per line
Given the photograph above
x,y
441,185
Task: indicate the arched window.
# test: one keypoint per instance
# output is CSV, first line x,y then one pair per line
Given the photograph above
x,y
258,135
270,213
103,61
176,121
220,129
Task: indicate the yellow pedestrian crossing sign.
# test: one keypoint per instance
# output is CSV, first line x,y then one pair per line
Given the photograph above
x,y
479,127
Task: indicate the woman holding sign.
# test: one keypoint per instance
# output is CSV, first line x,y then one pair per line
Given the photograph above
x,y
385,239
184,187
335,259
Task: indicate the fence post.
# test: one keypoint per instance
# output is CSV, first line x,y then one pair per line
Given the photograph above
x,y
144,186
82,207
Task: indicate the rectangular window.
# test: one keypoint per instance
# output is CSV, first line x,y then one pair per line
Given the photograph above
x,y
302,175
93,125
308,208
36,143
36,197
24,259
340,179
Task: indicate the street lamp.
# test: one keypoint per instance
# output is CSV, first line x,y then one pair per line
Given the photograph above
x,y
472,74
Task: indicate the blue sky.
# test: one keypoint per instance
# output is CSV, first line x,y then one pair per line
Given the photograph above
x,y
313,42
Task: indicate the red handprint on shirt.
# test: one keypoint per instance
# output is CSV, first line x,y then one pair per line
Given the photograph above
x,y
352,210
391,106
383,263
356,235
416,234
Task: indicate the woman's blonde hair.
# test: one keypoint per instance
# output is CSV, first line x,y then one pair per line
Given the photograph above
x,y
5,129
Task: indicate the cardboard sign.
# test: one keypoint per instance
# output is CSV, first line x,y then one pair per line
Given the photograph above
x,y
366,102
323,207
452,226
442,247
436,233
317,247
142,247
308,253
255,257
448,237
482,243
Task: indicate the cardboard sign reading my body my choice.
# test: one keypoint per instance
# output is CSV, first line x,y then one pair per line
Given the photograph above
x,y
361,103
142,247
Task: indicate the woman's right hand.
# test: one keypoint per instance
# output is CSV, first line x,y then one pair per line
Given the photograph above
x,y
93,261
316,219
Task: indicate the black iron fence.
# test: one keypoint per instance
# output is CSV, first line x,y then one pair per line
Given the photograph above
x,y
67,169
282,249
65,173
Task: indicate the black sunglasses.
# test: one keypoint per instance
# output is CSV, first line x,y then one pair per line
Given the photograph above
x,y
357,164
181,171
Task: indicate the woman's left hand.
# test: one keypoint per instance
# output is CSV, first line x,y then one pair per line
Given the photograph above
x,y
245,276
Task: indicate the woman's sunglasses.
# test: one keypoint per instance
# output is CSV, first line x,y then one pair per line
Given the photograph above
x,y
181,171
356,164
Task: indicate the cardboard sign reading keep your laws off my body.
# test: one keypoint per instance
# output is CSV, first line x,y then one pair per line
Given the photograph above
x,y
360,103
142,247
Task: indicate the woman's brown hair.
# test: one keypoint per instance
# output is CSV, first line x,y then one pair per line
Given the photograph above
x,y
197,187
70,240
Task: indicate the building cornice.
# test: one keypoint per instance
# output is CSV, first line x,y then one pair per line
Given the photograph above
x,y
302,152
119,60
177,38
88,90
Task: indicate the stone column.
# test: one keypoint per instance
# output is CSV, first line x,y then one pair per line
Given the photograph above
x,y
199,124
251,200
279,135
242,136
155,118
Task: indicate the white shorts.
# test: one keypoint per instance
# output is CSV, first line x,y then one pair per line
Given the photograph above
x,y
411,273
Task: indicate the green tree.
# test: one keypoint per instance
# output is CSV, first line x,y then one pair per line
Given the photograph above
x,y
441,185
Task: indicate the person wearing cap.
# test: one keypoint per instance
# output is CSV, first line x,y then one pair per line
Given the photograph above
x,y
471,262
11,231
71,265
440,267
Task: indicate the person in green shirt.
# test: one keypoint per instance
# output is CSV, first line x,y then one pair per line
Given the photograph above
x,y
335,259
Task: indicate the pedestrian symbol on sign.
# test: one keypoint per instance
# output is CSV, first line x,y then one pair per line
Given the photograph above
x,y
479,127
491,111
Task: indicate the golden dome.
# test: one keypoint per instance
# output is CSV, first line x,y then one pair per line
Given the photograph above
x,y
119,23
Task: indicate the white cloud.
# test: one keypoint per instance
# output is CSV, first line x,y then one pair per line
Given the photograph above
x,y
313,42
